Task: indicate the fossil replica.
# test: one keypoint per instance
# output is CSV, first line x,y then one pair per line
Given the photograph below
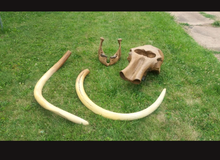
x,y
109,114
142,59
44,103
103,57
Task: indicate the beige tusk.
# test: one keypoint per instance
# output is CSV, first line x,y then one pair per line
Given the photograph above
x,y
44,103
109,114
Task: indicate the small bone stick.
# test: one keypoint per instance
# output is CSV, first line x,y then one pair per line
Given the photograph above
x,y
44,103
102,56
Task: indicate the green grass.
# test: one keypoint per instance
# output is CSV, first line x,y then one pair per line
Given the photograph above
x,y
32,42
207,15
216,23
1,24
184,24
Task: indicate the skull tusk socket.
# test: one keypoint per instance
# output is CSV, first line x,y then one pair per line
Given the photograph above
x,y
44,103
109,114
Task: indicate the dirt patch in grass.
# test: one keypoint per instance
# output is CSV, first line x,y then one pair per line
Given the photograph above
x,y
161,117
217,56
181,130
192,101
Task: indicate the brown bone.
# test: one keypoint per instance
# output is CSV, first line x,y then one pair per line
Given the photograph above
x,y
141,60
103,57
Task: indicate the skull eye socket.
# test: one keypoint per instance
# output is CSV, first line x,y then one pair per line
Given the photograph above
x,y
145,53
159,59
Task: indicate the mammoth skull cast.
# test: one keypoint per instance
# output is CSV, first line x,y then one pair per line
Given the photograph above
x,y
141,60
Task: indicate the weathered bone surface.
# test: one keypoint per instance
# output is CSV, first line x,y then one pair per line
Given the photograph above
x,y
142,59
44,103
103,57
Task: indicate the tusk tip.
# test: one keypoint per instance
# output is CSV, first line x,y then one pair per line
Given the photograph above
x,y
164,90
68,52
86,70
84,122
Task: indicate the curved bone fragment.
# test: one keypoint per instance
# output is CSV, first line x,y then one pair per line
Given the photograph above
x,y
103,57
109,114
44,103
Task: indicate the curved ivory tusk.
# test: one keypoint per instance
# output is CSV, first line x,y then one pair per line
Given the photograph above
x,y
109,114
44,103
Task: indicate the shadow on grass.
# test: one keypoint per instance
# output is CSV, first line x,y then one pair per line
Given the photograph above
x,y
4,31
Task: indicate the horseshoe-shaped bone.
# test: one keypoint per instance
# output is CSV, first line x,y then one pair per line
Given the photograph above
x,y
44,103
103,57
109,114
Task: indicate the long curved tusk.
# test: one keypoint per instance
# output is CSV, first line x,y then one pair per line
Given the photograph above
x,y
109,114
44,103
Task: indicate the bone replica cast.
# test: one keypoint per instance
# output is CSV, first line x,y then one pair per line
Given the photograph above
x,y
109,114
141,60
44,103
103,57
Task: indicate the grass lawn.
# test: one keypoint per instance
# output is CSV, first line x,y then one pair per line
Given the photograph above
x,y
32,42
